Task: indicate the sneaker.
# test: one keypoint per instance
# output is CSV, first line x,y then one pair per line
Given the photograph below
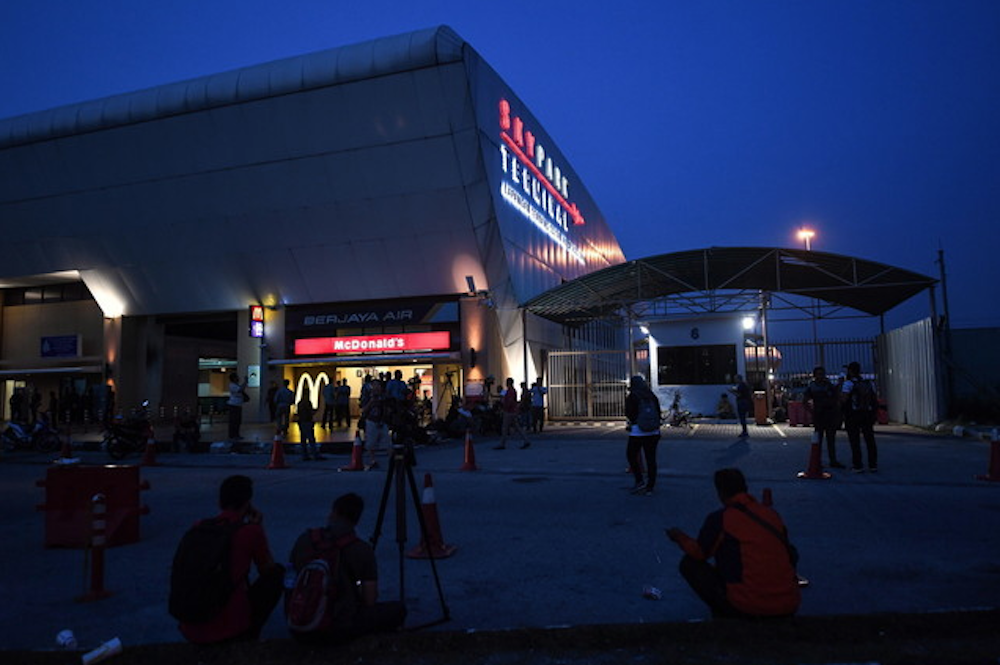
x,y
857,469
873,469
526,444
834,464
647,492
639,488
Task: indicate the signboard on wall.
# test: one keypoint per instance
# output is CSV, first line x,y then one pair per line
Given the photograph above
x,y
61,346
426,341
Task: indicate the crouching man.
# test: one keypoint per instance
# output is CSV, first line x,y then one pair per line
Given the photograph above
x,y
336,590
754,572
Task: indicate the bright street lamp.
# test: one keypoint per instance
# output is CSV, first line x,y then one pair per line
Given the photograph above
x,y
806,236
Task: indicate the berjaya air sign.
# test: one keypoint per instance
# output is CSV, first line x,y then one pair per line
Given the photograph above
x,y
534,184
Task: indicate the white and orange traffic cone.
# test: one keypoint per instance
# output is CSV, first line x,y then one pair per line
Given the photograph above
x,y
470,454
433,546
815,470
149,455
277,454
994,470
357,452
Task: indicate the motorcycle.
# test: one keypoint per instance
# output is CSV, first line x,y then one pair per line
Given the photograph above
x,y
128,435
676,416
41,437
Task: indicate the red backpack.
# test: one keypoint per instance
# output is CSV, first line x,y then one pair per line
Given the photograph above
x,y
310,603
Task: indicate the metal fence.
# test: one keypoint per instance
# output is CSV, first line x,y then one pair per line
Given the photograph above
x,y
587,384
799,357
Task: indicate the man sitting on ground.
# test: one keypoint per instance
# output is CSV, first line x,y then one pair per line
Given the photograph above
x,y
249,605
753,575
355,609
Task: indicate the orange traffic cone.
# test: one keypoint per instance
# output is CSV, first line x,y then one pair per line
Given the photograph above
x,y
815,471
994,473
357,461
470,454
277,454
433,546
149,456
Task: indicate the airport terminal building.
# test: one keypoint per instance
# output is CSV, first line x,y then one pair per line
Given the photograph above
x,y
381,206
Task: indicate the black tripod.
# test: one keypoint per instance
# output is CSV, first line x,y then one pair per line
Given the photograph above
x,y
401,463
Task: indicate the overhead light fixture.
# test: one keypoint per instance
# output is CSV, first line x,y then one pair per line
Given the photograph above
x,y
749,322
644,330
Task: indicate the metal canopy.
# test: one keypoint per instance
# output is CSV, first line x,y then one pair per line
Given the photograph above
x,y
720,277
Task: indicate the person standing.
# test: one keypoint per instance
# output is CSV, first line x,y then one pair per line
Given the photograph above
x,y
249,605
283,401
642,409
307,433
509,407
826,412
859,400
329,395
744,402
343,402
234,404
538,392
754,572
272,390
376,418
355,610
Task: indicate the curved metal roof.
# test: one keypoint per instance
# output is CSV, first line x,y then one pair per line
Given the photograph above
x,y
867,286
377,57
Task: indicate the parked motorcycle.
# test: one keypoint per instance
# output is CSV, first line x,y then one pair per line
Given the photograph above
x,y
676,416
41,437
129,434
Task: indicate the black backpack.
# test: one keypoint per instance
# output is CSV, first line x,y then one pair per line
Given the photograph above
x,y
863,396
200,578
648,418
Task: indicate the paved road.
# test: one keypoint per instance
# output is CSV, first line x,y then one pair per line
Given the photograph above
x,y
546,536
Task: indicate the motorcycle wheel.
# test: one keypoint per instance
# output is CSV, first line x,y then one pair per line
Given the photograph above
x,y
118,448
48,442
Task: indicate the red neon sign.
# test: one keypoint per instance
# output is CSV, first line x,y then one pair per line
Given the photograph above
x,y
426,341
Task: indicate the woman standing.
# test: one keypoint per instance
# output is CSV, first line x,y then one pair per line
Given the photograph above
x,y
237,395
642,408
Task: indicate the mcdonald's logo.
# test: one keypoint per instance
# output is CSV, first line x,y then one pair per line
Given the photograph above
x,y
315,387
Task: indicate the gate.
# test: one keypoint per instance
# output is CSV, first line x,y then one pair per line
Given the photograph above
x,y
587,385
799,357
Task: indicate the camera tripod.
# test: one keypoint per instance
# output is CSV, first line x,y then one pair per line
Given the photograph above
x,y
401,461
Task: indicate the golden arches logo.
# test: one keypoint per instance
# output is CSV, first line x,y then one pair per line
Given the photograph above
x,y
315,387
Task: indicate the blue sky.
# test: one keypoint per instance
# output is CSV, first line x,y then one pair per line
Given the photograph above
x,y
693,123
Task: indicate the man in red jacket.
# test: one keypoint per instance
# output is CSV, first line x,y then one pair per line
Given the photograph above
x,y
753,575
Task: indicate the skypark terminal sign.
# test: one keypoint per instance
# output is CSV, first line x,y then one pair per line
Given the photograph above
x,y
394,343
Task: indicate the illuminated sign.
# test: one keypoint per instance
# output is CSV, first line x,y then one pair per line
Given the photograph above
x,y
534,185
374,343
256,320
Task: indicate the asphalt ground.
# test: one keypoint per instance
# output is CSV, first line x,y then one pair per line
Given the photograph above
x,y
546,537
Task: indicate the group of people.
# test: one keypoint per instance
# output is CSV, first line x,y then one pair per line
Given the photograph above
x,y
854,402
355,609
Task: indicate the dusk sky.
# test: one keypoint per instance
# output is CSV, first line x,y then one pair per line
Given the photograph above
x,y
692,124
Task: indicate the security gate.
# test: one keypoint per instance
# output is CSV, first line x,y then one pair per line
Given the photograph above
x,y
587,384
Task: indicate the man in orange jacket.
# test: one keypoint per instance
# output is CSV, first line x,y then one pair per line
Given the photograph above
x,y
753,575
